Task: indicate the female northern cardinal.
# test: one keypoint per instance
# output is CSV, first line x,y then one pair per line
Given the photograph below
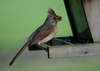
x,y
43,34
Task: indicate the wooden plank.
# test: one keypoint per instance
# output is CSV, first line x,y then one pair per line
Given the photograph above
x,y
75,50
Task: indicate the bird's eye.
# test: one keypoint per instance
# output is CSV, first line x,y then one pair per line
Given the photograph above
x,y
50,16
54,18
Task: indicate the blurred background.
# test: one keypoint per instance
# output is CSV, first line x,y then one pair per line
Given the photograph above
x,y
18,19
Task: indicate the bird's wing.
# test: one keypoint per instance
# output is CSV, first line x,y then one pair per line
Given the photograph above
x,y
41,33
34,34
41,28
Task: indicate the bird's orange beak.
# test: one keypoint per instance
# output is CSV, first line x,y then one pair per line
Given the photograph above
x,y
58,18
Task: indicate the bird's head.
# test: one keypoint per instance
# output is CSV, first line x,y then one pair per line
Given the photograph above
x,y
53,15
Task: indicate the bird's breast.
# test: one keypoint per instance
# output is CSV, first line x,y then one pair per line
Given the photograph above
x,y
49,37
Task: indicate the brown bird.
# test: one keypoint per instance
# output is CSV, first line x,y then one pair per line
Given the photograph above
x,y
43,34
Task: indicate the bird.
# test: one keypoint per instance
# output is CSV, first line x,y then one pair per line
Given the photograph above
x,y
42,34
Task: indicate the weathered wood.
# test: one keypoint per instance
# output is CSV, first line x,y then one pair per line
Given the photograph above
x,y
75,50
92,9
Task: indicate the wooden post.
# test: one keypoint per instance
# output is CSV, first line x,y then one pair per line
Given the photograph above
x,y
92,9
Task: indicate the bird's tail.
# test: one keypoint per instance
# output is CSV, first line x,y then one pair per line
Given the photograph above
x,y
19,53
